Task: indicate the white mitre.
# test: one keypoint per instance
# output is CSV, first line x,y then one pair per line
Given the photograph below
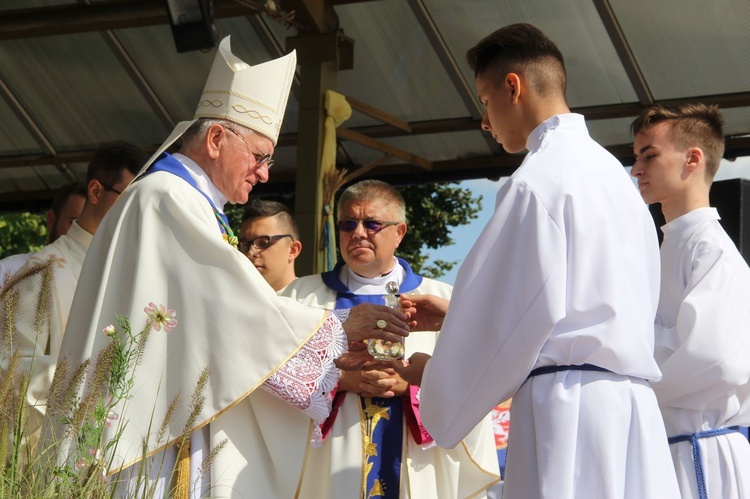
x,y
252,96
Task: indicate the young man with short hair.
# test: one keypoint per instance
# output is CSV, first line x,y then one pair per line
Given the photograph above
x,y
112,168
554,305
703,319
269,237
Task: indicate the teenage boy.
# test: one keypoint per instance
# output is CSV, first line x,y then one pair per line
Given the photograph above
x,y
703,319
554,305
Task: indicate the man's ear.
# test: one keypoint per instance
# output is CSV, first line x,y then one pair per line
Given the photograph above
x,y
94,191
513,85
695,159
401,231
214,137
294,250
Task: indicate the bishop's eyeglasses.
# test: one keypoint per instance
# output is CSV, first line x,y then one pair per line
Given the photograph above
x,y
260,159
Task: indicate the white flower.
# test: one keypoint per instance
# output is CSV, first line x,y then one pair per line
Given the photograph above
x,y
109,330
160,316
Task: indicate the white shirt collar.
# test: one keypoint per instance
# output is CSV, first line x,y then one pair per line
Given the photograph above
x,y
372,285
202,181
79,234
696,216
569,120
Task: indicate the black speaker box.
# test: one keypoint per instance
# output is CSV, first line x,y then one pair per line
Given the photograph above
x,y
192,23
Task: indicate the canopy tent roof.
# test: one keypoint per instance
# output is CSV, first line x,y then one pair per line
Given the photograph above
x,y
75,74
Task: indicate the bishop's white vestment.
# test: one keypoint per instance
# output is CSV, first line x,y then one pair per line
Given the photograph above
x,y
565,273
161,243
703,347
336,469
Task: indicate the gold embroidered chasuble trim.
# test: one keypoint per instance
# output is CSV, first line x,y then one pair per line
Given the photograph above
x,y
182,479
304,461
228,407
370,416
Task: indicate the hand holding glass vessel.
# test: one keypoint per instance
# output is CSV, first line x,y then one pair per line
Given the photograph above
x,y
384,349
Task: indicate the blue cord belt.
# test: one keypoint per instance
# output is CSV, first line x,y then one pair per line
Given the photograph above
x,y
697,456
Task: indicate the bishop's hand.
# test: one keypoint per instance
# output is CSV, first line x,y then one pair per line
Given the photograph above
x,y
368,320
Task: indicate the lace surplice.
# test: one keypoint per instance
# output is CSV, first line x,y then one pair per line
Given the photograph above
x,y
306,380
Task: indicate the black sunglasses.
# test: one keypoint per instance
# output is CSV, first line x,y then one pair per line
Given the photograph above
x,y
260,243
371,226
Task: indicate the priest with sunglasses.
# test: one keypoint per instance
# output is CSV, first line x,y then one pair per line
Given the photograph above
x,y
374,443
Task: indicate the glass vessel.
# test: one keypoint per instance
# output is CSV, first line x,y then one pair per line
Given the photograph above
x,y
383,349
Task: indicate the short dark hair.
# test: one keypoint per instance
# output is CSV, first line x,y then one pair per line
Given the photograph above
x,y
523,49
259,208
64,193
692,125
371,190
111,158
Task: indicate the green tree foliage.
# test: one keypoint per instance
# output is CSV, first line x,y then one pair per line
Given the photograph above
x,y
22,233
432,210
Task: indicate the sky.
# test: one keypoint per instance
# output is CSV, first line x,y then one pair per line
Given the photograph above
x,y
466,235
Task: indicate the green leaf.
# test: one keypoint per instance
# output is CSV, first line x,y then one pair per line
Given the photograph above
x,y
22,233
432,210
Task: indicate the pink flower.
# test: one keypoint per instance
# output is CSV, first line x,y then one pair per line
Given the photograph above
x,y
96,454
111,416
160,316
109,330
80,464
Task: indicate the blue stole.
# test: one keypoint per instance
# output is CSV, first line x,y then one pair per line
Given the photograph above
x,y
168,163
382,418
